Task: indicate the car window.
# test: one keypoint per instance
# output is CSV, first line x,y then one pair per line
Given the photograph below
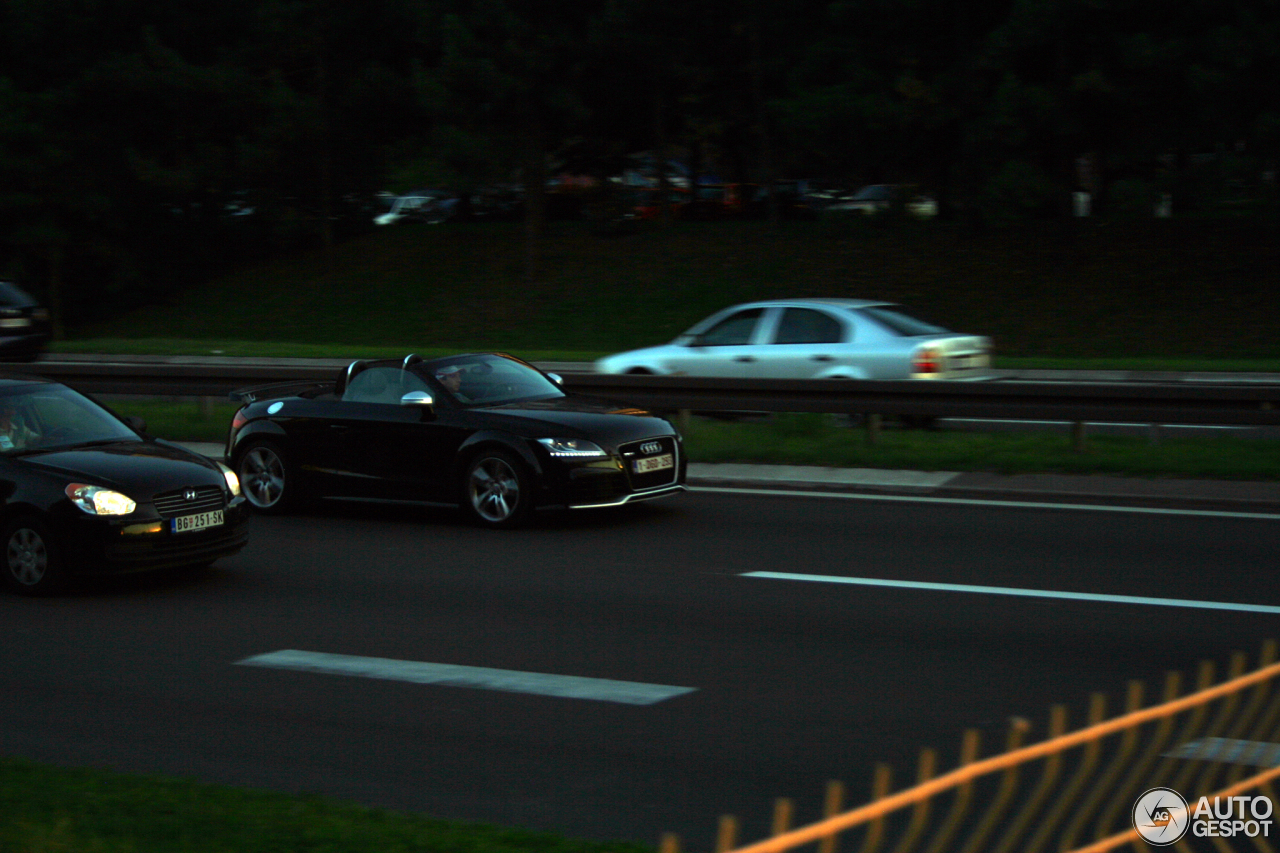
x,y
807,326
488,380
381,385
898,321
875,192
51,416
734,330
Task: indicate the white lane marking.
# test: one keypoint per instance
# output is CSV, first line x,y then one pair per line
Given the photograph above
x,y
863,496
1025,593
1252,753
478,677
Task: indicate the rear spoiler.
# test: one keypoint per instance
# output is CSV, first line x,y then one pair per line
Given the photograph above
x,y
278,389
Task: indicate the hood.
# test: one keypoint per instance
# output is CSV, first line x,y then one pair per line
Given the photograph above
x,y
579,417
140,469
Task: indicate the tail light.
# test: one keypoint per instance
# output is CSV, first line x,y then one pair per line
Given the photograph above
x,y
926,360
238,420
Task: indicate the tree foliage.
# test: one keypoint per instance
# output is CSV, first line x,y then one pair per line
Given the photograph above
x,y
137,136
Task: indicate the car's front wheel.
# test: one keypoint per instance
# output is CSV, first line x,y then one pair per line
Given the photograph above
x,y
496,490
266,478
32,564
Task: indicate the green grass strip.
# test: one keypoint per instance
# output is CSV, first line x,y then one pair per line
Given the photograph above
x,y
46,809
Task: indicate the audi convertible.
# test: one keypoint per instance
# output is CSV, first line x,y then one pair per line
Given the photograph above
x,y
484,431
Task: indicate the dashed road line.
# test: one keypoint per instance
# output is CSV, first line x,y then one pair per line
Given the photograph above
x,y
476,677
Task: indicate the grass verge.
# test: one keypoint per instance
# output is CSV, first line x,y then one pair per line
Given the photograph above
x,y
51,809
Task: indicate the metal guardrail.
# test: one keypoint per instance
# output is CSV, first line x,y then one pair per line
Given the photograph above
x,y
1093,402
1127,402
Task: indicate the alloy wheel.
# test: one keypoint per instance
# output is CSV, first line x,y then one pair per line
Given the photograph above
x,y
262,477
27,557
493,488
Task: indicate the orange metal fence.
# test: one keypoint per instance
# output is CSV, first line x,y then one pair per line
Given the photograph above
x,y
1075,791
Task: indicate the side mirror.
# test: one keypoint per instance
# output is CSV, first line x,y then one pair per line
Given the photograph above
x,y
136,423
555,377
418,398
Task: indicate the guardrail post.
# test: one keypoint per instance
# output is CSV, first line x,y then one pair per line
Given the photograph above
x,y
206,407
1077,436
873,428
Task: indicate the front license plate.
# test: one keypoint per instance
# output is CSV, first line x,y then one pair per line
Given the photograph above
x,y
654,463
199,521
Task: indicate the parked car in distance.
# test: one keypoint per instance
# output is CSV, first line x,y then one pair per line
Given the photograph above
x,y
813,339
884,198
430,206
85,492
24,324
484,431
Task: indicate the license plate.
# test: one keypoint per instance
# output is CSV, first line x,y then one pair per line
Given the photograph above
x,y
199,521
654,463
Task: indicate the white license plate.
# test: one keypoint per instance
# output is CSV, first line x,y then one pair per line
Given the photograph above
x,y
654,463
199,521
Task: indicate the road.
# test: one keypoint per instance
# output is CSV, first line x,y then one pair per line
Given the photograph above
x,y
787,683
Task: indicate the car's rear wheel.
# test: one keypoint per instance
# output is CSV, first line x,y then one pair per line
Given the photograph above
x,y
32,564
497,490
266,479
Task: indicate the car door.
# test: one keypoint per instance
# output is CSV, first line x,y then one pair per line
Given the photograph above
x,y
804,343
726,348
399,451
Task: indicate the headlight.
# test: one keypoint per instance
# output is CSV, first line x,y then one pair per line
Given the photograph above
x,y
233,482
96,500
572,448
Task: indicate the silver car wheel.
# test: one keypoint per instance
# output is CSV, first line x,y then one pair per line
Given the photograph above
x,y
32,560
27,556
262,476
493,488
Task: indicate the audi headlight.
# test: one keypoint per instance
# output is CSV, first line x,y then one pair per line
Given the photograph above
x,y
96,500
572,448
233,482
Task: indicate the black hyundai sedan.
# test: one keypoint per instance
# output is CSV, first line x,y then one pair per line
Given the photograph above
x,y
85,492
484,431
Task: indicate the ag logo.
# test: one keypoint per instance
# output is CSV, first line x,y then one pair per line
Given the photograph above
x,y
1161,816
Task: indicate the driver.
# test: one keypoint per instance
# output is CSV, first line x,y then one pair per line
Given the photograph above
x,y
13,432
450,377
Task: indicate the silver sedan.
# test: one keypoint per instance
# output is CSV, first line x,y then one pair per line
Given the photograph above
x,y
813,339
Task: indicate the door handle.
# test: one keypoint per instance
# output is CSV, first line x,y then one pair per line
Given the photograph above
x,y
822,358
744,358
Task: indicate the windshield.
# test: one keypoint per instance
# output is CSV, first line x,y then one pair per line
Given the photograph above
x,y
898,321
49,417
490,380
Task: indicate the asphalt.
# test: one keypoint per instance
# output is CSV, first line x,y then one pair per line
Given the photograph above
x,y
1190,494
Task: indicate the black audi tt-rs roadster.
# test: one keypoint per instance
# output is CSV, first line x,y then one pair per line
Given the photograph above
x,y
484,431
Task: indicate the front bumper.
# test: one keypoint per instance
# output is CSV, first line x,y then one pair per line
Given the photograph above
x,y
116,546
614,482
